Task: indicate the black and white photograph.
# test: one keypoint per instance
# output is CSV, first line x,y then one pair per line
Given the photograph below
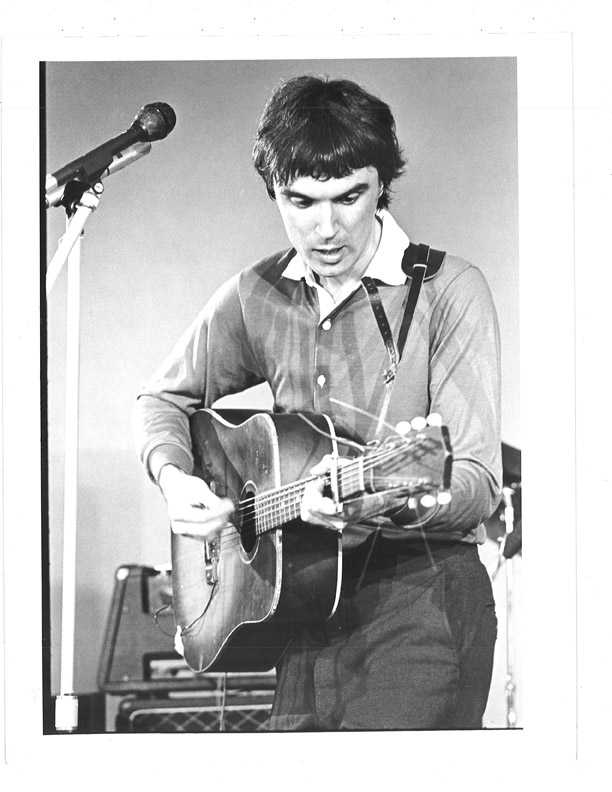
x,y
300,352
297,308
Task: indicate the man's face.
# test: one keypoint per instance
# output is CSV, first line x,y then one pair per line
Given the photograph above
x,y
331,223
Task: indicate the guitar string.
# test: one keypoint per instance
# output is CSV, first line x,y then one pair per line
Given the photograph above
x,y
371,416
233,533
280,492
275,498
233,538
278,502
276,508
361,447
268,498
369,461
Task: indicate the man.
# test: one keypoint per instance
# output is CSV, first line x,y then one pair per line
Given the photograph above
x,y
411,643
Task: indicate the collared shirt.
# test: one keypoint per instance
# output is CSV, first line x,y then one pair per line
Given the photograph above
x,y
265,325
385,266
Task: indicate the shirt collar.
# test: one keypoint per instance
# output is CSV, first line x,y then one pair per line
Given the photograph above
x,y
386,265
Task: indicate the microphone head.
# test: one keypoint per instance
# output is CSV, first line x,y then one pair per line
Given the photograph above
x,y
155,121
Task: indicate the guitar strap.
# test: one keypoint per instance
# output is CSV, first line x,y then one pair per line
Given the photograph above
x,y
420,263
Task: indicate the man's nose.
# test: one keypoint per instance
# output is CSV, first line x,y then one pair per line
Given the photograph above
x,y
327,224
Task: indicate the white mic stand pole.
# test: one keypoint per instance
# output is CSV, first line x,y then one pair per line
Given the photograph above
x,y
69,248
67,703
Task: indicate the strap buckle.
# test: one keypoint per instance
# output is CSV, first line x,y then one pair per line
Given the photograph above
x,y
390,374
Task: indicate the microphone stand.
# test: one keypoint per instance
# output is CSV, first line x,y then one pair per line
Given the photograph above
x,y
80,202
69,243
510,686
78,210
80,199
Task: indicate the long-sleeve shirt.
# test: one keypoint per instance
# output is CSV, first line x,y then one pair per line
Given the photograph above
x,y
273,323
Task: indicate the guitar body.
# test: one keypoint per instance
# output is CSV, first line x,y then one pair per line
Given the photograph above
x,y
237,598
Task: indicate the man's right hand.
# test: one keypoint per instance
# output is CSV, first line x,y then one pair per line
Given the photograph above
x,y
192,507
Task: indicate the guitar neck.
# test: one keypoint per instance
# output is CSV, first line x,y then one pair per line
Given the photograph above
x,y
275,508
418,464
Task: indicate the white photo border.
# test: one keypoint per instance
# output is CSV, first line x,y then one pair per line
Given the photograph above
x,y
546,230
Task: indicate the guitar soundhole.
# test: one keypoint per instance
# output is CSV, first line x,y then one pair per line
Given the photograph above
x,y
248,536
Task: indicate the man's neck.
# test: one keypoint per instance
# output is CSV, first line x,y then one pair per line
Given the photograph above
x,y
341,286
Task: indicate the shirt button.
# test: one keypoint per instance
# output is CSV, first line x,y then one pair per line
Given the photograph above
x,y
321,380
326,324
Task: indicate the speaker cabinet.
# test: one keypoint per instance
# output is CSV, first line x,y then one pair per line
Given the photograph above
x,y
193,714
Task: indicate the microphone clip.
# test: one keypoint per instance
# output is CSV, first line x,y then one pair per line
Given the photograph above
x,y
74,191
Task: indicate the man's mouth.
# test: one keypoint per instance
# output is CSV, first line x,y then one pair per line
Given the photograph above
x,y
329,253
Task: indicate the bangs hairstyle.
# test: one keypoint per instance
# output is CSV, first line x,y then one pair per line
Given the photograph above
x,y
325,129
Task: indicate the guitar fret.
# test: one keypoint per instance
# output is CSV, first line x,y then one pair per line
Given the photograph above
x,y
274,509
351,478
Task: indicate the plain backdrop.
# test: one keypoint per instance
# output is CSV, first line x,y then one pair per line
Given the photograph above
x,y
176,224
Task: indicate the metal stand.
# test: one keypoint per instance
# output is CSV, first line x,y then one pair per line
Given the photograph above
x,y
69,248
75,223
80,196
508,563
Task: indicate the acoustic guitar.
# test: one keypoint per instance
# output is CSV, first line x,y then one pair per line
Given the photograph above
x,y
237,597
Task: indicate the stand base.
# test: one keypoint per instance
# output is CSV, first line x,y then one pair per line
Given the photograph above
x,y
66,713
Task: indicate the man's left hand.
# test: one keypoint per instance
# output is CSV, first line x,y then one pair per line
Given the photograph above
x,y
321,510
315,507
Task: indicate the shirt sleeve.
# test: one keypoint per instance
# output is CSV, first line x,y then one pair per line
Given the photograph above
x,y
212,359
464,388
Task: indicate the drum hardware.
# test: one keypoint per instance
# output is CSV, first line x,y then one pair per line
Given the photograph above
x,y
508,564
505,528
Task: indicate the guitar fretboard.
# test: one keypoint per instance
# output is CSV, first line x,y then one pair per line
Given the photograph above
x,y
277,507
267,511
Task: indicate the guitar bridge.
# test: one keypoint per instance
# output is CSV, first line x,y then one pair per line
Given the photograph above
x,y
211,560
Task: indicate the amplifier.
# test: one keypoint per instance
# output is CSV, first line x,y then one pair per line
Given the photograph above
x,y
193,713
138,653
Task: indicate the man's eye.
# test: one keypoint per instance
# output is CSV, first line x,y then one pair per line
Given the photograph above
x,y
349,199
301,203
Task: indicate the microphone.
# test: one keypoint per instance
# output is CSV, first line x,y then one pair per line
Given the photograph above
x,y
153,122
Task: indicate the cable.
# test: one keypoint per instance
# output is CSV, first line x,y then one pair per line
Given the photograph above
x,y
222,706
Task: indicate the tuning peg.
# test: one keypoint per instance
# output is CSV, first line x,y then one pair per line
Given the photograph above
x,y
418,423
428,501
403,427
434,419
444,497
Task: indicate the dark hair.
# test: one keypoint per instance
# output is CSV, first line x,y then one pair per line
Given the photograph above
x,y
325,129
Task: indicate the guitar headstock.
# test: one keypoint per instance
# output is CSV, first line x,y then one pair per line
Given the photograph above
x,y
416,459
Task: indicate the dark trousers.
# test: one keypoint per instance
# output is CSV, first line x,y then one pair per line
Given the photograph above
x,y
410,646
